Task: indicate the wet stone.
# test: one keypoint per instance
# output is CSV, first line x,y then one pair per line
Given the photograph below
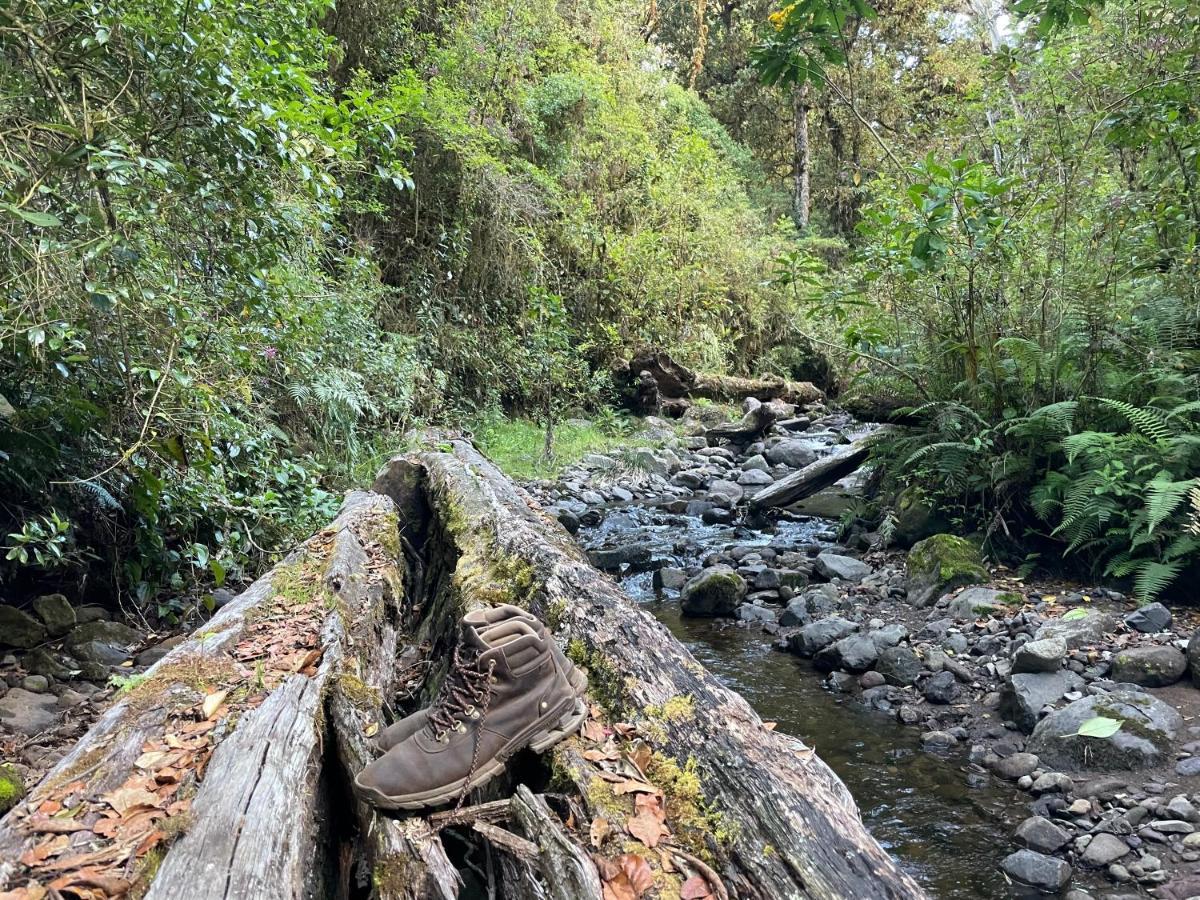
x,y
1149,619
1040,834
1037,870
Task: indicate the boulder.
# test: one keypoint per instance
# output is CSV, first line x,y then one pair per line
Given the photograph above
x,y
854,653
716,591
661,462
939,564
725,493
1146,736
846,568
977,602
1024,696
888,635
56,611
1046,655
1037,870
1078,630
754,478
899,666
813,638
758,615
941,687
915,518
1149,619
105,632
19,629
49,663
1041,835
1149,666
791,452
1103,850
612,559
1015,766
28,713
12,787
669,578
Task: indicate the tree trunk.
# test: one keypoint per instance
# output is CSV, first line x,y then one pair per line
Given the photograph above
x,y
816,476
801,194
677,381
225,773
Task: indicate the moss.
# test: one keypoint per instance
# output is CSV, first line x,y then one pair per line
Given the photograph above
x,y
603,799
946,557
769,850
555,612
605,684
384,529
689,814
358,692
12,787
1011,598
679,708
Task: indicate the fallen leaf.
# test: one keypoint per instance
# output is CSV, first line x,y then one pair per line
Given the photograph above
x,y
594,731
770,726
630,786
600,755
640,875
640,756
150,760
371,730
212,703
695,888
125,798
646,827
599,830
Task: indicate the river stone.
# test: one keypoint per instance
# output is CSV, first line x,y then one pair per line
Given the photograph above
x,y
979,601
1149,619
1015,766
1089,628
941,687
1047,873
1149,666
847,568
28,713
793,453
939,564
748,612
757,462
813,638
854,653
662,462
1104,849
611,559
899,666
1041,835
716,591
1025,695
19,629
669,578
56,611
916,519
888,635
1046,655
49,663
725,493
1146,737
754,478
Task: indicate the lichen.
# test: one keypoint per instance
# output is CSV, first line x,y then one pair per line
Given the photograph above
x,y
12,787
689,814
360,694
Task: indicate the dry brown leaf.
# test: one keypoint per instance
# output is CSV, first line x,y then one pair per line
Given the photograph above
x,y
770,726
599,830
646,827
640,756
151,760
125,798
640,875
695,888
630,786
212,703
594,731
600,755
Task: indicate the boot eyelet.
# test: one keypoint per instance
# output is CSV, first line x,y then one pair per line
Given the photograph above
x,y
460,727
470,711
443,738
492,679
474,714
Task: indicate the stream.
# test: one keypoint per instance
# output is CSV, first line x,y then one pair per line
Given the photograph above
x,y
919,805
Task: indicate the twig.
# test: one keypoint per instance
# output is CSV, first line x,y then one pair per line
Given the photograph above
x,y
514,844
704,869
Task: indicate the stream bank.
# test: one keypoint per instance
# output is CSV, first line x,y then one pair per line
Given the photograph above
x,y
926,699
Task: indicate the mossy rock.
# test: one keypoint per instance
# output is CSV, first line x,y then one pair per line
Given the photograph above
x,y
916,518
19,629
717,591
941,563
12,787
56,611
1145,739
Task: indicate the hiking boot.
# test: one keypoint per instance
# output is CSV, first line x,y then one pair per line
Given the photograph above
x,y
504,692
488,619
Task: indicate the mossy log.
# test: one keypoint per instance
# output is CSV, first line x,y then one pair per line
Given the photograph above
x,y
818,475
778,822
678,381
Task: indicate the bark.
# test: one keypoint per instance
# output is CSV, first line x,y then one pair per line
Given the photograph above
x,y
746,430
674,380
801,194
816,476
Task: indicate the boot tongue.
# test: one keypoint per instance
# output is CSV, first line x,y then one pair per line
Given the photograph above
x,y
472,638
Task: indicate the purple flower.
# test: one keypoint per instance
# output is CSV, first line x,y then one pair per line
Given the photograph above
x,y
271,353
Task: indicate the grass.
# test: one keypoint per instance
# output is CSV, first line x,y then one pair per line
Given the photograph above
x,y
515,445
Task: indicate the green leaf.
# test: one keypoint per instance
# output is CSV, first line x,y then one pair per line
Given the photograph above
x,y
1075,614
33,217
1098,727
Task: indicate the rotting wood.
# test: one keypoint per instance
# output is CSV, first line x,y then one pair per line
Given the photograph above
x,y
675,381
817,476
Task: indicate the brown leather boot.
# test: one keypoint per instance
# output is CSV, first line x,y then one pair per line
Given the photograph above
x,y
502,693
487,619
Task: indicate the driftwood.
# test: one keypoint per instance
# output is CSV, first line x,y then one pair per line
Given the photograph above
x,y
816,476
249,734
653,373
749,428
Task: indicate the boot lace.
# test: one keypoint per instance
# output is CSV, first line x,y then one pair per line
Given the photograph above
x,y
466,691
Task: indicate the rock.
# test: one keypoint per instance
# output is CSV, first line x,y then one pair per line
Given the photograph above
x,y
151,655
112,633
19,629
813,638
1046,655
854,653
1189,767
49,663
28,713
755,478
37,684
1146,737
1149,666
941,687
669,578
792,452
1181,808
1041,835
870,680
91,613
888,635
1015,766
1103,850
1025,695
1082,631
980,601
939,564
1185,887
611,559
1052,783
899,666
716,591
1149,619
748,612
725,493
56,611
756,463
99,653
12,787
938,739
915,518
847,568
815,602
1028,867
662,462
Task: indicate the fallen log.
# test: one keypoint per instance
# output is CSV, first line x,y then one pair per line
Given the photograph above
x,y
749,428
816,476
674,380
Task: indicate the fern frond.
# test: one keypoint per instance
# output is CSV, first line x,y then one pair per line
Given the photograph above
x,y
1150,422
1164,498
1154,577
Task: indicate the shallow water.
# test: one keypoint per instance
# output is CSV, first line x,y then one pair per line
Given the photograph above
x,y
920,806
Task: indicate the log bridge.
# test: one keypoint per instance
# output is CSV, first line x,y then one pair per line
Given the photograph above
x,y
224,772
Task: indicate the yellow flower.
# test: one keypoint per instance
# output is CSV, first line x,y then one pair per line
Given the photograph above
x,y
779,17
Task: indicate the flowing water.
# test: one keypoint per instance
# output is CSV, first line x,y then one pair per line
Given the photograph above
x,y
920,806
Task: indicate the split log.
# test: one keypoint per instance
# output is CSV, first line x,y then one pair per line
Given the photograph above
x,y
748,429
674,380
816,476
773,818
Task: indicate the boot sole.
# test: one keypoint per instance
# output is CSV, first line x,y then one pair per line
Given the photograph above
x,y
564,723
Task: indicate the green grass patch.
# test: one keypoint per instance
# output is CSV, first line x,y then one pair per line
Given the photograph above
x,y
515,445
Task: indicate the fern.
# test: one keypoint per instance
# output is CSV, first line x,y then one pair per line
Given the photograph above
x,y
1150,422
1153,577
1164,498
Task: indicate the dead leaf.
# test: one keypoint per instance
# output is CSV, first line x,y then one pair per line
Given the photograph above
x,y
640,756
125,798
770,726
630,786
646,828
600,755
594,731
212,703
695,888
640,875
371,730
151,759
599,830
